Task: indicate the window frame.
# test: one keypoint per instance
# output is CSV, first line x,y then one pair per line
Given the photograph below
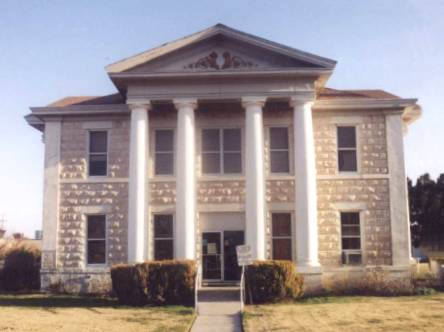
x,y
164,152
291,236
288,150
221,151
88,152
96,239
356,148
172,238
361,237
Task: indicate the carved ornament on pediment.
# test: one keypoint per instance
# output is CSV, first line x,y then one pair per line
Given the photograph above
x,y
213,61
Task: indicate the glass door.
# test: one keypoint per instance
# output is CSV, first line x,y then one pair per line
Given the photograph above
x,y
211,256
232,271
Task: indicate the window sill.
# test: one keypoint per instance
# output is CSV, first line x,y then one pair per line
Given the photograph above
x,y
221,177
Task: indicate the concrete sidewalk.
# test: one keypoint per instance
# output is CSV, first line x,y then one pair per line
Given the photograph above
x,y
219,310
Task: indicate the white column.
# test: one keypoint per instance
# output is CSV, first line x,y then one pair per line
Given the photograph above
x,y
138,178
52,139
305,182
254,176
399,214
185,223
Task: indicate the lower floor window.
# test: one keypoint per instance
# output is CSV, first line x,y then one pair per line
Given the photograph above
x,y
163,237
281,235
351,238
96,239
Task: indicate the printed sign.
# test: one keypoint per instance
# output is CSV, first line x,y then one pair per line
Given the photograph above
x,y
211,249
244,256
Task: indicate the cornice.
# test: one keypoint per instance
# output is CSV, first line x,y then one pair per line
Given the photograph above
x,y
343,104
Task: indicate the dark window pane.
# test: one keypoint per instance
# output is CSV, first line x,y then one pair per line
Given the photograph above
x,y
164,140
97,252
346,137
279,138
164,163
281,223
350,218
232,162
282,249
347,161
163,225
97,141
279,162
350,230
163,249
210,140
96,227
210,163
351,258
351,243
97,165
232,140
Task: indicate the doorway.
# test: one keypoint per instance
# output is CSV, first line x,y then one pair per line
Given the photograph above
x,y
219,258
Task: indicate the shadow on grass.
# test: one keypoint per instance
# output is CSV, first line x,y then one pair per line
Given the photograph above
x,y
56,301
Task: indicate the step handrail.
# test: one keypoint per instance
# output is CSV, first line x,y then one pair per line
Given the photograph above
x,y
196,288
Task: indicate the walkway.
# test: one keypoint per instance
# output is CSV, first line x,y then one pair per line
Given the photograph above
x,y
219,310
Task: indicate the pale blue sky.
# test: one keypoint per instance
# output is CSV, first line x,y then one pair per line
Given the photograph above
x,y
51,49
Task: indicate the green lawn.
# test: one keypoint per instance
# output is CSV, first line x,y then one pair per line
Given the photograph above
x,y
40,312
409,313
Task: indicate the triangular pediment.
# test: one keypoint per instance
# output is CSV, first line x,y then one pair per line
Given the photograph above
x,y
218,48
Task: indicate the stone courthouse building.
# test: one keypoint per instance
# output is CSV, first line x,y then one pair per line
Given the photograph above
x,y
218,139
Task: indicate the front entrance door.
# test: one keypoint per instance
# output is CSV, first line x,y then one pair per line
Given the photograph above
x,y
211,256
232,270
219,262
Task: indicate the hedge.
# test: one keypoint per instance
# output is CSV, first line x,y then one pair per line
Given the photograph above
x,y
272,281
21,270
155,282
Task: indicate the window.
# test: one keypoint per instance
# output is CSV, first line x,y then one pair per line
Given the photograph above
x,y
281,235
164,152
351,238
98,153
347,160
96,239
221,151
279,151
163,236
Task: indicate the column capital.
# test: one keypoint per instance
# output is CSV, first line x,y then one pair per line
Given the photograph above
x,y
303,98
185,102
134,104
253,101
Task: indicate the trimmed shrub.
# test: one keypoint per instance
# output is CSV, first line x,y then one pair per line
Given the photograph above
x,y
156,283
130,283
272,281
21,270
171,282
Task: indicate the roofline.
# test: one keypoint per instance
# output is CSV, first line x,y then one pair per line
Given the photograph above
x,y
140,58
349,103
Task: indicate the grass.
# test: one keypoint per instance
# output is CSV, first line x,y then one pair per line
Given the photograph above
x,y
406,313
39,312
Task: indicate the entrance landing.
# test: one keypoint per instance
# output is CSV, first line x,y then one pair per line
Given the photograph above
x,y
218,310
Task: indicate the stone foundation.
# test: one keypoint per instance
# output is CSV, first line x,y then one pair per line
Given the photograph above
x,y
76,282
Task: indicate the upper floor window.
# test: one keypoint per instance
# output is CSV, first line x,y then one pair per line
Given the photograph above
x,y
281,235
221,151
347,156
279,150
351,238
98,153
164,152
163,236
96,239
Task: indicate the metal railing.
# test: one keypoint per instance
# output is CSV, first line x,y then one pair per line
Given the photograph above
x,y
197,286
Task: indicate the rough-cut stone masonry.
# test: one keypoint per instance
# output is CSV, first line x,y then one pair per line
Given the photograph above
x,y
372,148
376,219
162,193
221,192
74,149
280,191
78,199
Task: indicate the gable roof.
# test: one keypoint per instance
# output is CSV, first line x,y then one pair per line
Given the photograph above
x,y
329,93
218,29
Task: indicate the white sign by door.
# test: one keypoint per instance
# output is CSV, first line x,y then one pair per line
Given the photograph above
x,y
244,256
